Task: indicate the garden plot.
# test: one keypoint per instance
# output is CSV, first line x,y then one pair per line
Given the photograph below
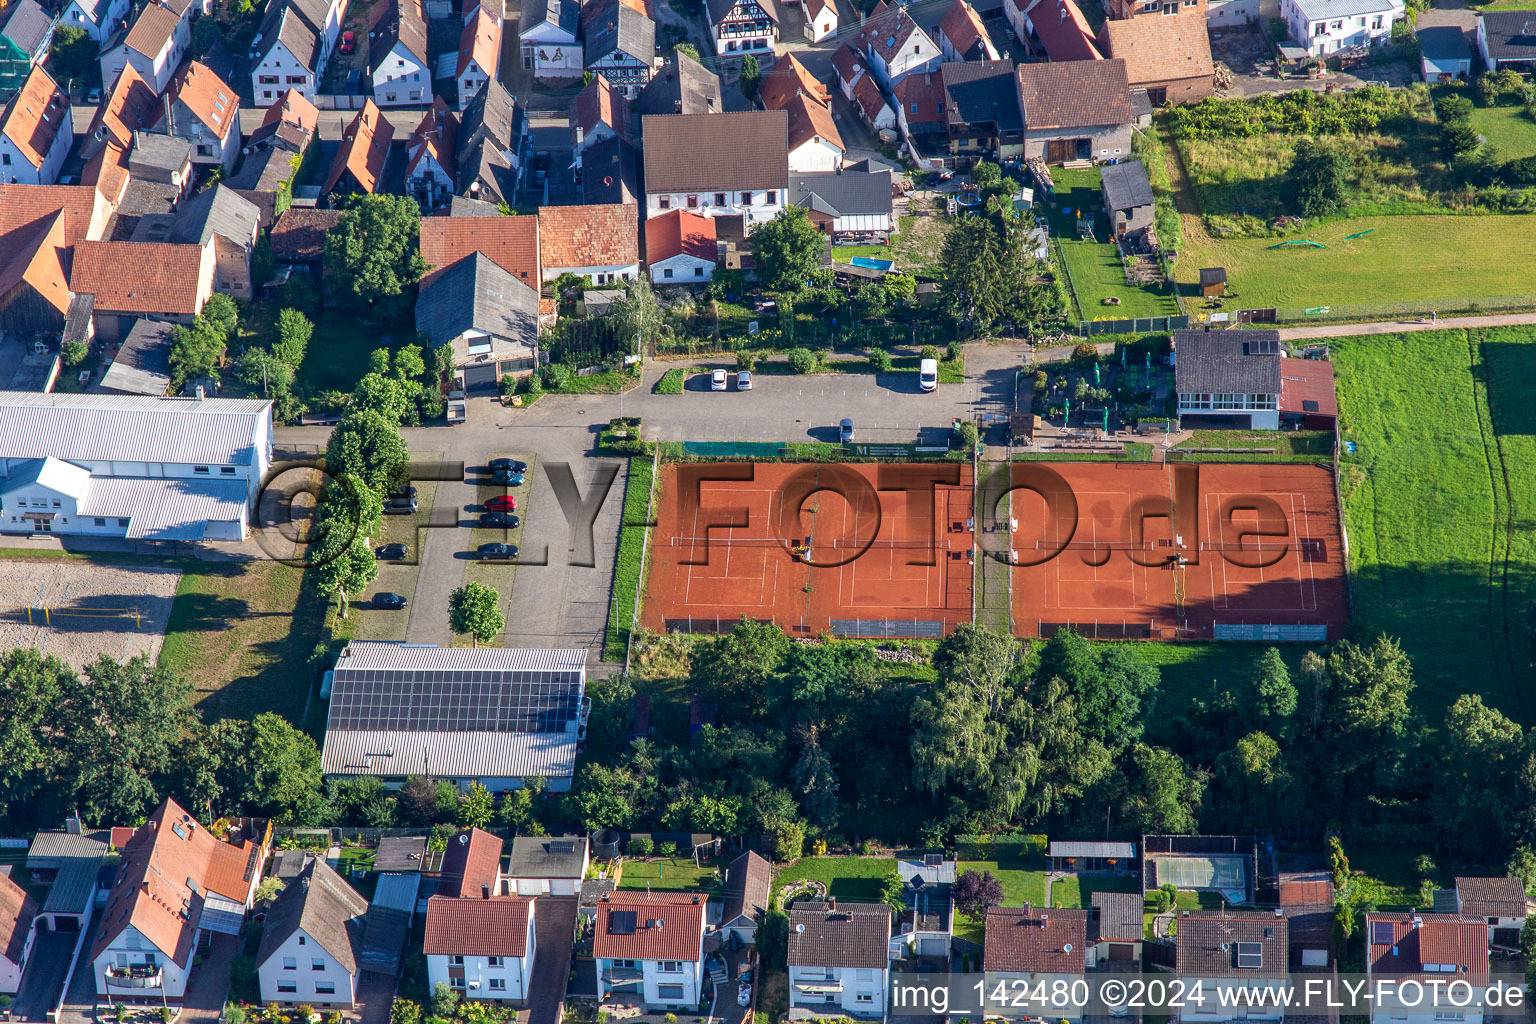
x,y
91,609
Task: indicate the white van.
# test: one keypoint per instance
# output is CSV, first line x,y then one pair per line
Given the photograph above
x,y
928,374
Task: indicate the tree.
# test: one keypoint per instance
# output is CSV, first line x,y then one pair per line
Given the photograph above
x,y
476,806
787,250
1274,692
802,360
817,781
403,1011
345,568
637,317
260,370
879,360
751,76
788,839
196,351
268,888
600,798
734,670
974,893
869,301
31,685
970,269
445,1001
893,891
282,778
293,333
1163,792
205,32
72,52
1108,682
385,395
75,353
222,316
1318,177
418,800
373,253
368,446
475,609
772,939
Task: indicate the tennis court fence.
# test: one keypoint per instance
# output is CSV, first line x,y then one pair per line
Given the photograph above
x,y
906,629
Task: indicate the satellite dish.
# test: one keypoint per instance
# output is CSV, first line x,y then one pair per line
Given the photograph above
x,y
799,928
1226,947
1066,947
463,838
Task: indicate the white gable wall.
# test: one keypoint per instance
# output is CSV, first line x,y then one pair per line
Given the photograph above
x,y
402,80
301,971
279,71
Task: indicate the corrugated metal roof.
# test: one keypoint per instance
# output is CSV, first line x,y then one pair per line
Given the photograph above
x,y
161,509
1067,848
50,848
397,890
54,474
130,428
360,655
462,755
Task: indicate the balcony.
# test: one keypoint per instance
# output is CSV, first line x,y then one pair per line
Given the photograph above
x,y
622,975
134,976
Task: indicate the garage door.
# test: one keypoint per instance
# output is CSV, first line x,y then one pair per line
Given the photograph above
x,y
1122,951
480,376
1314,958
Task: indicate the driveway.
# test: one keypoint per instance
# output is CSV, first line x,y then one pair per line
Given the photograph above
x,y
209,986
43,980
554,929
375,995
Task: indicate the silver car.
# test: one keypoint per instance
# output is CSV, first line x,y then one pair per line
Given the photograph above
x,y
744,380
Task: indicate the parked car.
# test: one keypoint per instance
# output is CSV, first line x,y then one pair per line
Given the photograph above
x,y
744,380
392,552
501,503
497,520
93,98
348,42
845,430
717,381
388,601
540,167
497,552
510,477
354,82
928,374
513,464
400,506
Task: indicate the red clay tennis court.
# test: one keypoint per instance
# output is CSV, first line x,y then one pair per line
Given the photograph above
x,y
1138,550
857,550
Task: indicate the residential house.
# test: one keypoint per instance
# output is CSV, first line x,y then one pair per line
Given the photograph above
x,y
206,113
219,217
98,18
177,884
479,50
598,112
814,141
399,64
859,88
1227,376
142,365
490,319
728,165
1056,28
1127,197
274,151
650,944
610,173
1168,54
1444,55
596,242
981,105
134,279
1026,947
486,315
39,227
298,239
554,865
512,243
154,45
289,54
620,46
748,887
471,867
359,164
853,201
919,101
820,20
1430,948
1499,901
493,145
549,33
36,132
1328,26
325,16
680,248
430,160
1234,950
1076,110
962,36
839,960
895,45
17,912
1077,856
482,948
1115,927
1505,40
130,106
24,39
740,27
928,917
681,86
788,79
311,941
1307,902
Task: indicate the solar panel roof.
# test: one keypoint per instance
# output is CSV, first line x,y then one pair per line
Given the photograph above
x,y
453,700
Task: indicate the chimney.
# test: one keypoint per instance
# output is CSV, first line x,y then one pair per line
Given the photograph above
x,y
485,891
201,393
831,902
73,825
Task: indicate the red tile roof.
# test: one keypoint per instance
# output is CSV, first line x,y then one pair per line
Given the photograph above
x,y
588,236
436,135
139,277
37,256
478,927
963,28
33,117
512,243
680,231
666,926
809,120
1396,946
364,149
17,910
1306,893
596,104
206,95
480,42
847,62
23,206
1162,48
131,106
1479,897
299,233
1025,939
293,108
788,78
869,98
1063,31
473,860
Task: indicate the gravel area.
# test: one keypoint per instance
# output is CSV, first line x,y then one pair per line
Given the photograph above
x,y
90,609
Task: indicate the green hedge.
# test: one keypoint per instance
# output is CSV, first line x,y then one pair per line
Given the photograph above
x,y
630,561
671,382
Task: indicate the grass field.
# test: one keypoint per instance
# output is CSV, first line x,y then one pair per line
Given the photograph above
x,y
847,878
676,873
1078,890
1095,267
629,565
1417,257
1508,129
1438,499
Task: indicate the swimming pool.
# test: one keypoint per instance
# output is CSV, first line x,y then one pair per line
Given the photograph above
x,y
884,266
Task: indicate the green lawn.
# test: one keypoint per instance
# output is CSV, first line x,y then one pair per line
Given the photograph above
x,y
1249,446
1510,130
1424,258
629,565
1078,890
1200,670
1095,267
847,878
677,873
1438,500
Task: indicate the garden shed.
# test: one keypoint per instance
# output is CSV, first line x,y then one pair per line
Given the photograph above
x,y
1213,281
1444,54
